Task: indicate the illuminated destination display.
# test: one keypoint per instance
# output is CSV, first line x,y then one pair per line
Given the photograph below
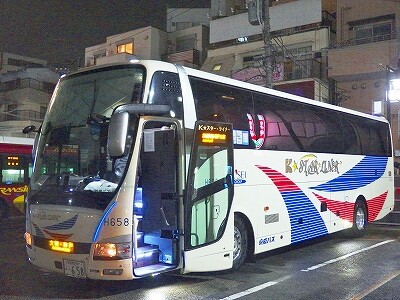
x,y
61,246
214,133
12,161
213,137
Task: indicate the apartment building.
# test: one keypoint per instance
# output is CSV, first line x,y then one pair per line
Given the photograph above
x,y
14,62
301,32
185,42
367,45
26,86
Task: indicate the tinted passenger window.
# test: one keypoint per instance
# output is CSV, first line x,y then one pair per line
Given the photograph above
x,y
374,137
223,103
294,126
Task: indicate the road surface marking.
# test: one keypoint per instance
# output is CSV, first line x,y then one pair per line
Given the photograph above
x,y
376,285
345,256
256,288
271,283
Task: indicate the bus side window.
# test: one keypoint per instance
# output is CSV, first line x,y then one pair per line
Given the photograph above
x,y
351,140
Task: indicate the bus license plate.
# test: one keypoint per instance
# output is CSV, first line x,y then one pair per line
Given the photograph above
x,y
74,268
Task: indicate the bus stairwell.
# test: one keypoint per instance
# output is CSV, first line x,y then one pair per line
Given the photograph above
x,y
156,204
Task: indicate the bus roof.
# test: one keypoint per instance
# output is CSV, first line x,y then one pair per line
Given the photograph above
x,y
154,65
261,89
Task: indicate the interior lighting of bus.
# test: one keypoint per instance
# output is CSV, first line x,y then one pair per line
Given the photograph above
x,y
12,161
213,138
228,97
61,246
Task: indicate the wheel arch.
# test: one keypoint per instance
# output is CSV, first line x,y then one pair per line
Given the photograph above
x,y
250,231
361,199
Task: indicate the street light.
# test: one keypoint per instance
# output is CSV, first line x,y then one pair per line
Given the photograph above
x,y
392,89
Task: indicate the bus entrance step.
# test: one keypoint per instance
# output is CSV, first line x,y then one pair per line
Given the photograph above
x,y
146,255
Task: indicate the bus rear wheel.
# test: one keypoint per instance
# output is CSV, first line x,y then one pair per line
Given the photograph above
x,y
240,243
360,219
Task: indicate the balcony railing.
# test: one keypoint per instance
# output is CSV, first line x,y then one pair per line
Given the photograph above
x,y
287,71
365,40
303,68
21,115
328,21
190,58
46,87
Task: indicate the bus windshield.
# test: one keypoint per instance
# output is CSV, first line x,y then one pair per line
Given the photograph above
x,y
72,164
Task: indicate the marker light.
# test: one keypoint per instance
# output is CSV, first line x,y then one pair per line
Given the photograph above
x,y
28,239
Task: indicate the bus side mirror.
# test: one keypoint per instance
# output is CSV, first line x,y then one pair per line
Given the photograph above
x,y
117,131
29,129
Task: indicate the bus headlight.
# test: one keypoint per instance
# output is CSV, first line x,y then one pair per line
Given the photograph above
x,y
111,251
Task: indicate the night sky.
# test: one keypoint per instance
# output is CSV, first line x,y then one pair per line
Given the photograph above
x,y
59,30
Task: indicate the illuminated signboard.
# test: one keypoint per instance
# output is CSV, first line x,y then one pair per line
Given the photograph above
x,y
214,133
12,161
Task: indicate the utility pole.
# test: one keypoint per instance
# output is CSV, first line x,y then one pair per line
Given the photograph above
x,y
267,46
398,41
258,13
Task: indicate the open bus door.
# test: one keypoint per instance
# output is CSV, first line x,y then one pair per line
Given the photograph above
x,y
209,221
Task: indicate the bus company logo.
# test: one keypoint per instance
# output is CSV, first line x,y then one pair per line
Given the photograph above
x,y
53,230
311,165
7,191
267,240
240,177
44,216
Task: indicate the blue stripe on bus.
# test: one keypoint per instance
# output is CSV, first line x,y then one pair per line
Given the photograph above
x,y
368,170
101,223
305,220
63,225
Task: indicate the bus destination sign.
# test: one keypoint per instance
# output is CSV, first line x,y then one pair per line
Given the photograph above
x,y
213,133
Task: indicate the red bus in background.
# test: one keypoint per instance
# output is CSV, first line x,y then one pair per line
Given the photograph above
x,y
16,168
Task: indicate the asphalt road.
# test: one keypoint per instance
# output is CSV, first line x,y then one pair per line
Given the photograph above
x,y
334,267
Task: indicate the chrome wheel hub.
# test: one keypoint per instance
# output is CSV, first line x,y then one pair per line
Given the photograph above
x,y
237,243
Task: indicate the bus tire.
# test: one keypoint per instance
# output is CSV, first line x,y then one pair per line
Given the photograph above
x,y
360,219
240,243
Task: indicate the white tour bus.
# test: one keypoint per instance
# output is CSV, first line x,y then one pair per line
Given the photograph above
x,y
147,167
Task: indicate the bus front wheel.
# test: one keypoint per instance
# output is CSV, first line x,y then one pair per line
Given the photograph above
x,y
240,243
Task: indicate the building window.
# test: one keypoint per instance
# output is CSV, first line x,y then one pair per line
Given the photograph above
x,y
183,25
253,61
43,110
186,43
99,55
11,112
377,107
217,67
373,29
373,33
23,63
125,48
